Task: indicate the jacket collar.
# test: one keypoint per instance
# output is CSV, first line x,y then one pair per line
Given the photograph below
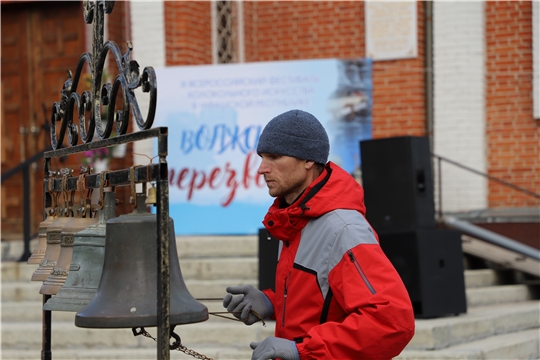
x,y
333,189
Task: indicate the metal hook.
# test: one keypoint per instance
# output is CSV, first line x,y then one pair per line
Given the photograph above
x,y
102,182
177,341
50,190
133,189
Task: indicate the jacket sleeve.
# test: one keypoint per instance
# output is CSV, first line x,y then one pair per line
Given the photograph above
x,y
271,296
379,320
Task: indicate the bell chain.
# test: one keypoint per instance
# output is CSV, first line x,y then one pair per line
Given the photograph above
x,y
176,345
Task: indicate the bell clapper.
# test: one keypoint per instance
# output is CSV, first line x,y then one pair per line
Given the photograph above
x,y
152,196
102,182
133,198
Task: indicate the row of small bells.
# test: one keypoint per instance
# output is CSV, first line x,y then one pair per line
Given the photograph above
x,y
105,268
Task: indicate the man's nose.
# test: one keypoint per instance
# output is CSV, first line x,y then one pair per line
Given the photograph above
x,y
263,167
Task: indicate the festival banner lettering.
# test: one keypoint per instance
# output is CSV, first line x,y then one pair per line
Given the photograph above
x,y
215,114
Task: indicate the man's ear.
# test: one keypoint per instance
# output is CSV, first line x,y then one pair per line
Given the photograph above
x,y
309,164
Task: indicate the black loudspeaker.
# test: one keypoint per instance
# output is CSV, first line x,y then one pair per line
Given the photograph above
x,y
268,254
398,183
430,263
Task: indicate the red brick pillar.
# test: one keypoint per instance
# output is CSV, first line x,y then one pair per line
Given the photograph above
x,y
512,134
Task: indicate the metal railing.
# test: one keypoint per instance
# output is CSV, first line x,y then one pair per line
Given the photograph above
x,y
24,167
440,159
492,237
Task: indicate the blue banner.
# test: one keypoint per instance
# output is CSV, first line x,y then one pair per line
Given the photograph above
x,y
215,114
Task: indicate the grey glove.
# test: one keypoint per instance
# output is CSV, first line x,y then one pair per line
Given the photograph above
x,y
248,299
273,347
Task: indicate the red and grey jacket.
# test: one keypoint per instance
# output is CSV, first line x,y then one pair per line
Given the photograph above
x,y
337,295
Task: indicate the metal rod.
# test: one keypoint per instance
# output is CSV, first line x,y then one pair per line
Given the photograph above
x,y
114,178
492,237
502,182
46,353
22,165
26,214
163,280
117,140
439,170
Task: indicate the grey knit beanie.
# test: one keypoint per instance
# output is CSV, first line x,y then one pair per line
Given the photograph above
x,y
295,133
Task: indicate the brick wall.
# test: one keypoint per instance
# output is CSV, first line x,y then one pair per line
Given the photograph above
x,y
399,92
512,134
188,32
500,138
283,30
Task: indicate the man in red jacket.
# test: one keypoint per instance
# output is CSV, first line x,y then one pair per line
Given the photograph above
x,y
337,295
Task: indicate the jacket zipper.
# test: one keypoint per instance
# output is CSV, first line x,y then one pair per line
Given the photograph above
x,y
285,299
361,272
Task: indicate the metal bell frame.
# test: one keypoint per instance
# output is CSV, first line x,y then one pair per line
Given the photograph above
x,y
88,106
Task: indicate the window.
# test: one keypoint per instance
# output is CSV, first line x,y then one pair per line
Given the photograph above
x,y
227,31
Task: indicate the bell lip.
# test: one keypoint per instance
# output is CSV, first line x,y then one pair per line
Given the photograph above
x,y
132,217
112,322
71,298
65,305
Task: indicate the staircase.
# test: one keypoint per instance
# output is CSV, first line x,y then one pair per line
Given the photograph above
x,y
502,322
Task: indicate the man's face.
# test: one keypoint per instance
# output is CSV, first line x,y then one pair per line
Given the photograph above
x,y
285,176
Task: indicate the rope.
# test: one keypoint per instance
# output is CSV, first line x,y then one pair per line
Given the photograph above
x,y
220,313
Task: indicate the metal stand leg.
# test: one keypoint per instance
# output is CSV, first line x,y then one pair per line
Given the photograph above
x,y
46,353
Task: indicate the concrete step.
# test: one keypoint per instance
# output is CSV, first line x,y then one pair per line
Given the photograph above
x,y
523,344
65,335
481,278
13,249
192,268
213,352
501,294
187,246
207,268
29,290
430,334
31,311
500,323
217,246
479,322
220,268
517,345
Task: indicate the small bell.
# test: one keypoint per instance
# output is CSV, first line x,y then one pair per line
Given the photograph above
x,y
54,237
60,271
39,252
54,232
151,199
86,265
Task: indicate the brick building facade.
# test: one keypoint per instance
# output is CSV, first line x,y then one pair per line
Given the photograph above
x,y
480,66
482,55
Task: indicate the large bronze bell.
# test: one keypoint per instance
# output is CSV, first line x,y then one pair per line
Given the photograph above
x,y
39,252
127,293
86,265
60,271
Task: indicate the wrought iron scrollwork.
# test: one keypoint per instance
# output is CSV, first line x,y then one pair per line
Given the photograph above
x,y
89,104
